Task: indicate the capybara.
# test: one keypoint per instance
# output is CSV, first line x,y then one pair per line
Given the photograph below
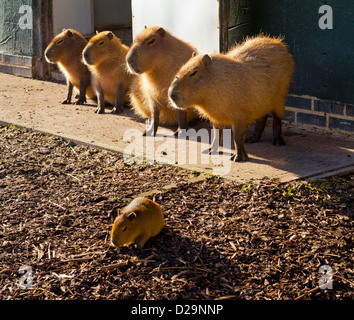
x,y
155,57
65,50
238,88
137,223
105,57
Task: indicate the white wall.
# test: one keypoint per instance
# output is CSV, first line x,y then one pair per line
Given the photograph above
x,y
75,14
195,21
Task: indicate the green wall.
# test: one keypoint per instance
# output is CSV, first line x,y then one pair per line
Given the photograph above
x,y
324,59
13,39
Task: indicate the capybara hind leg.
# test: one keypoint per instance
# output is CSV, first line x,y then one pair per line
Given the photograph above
x,y
70,92
217,138
278,138
182,122
238,131
258,130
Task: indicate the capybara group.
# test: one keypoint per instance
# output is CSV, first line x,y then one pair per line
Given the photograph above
x,y
65,50
238,88
165,80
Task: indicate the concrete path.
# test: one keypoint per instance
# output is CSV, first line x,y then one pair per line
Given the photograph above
x,y
37,104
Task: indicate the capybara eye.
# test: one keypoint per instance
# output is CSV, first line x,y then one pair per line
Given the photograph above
x,y
60,41
124,229
193,74
151,41
101,43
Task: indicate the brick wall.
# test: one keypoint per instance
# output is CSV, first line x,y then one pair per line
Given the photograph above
x,y
312,111
16,64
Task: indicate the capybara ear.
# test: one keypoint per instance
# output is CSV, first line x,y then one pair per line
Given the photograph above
x,y
131,216
194,54
69,33
161,31
110,35
206,60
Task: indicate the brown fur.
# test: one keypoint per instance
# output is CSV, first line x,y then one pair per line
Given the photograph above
x,y
155,57
137,223
65,50
105,57
238,88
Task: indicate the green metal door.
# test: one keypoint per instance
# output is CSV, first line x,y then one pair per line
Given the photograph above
x,y
323,57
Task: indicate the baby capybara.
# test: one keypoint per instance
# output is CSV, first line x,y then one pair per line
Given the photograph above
x,y
137,223
155,57
238,88
65,50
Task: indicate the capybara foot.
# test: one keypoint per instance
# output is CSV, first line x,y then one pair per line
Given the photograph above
x,y
180,133
211,151
66,101
149,133
238,157
117,110
99,110
279,141
80,101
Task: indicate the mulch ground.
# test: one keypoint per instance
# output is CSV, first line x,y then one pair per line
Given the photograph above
x,y
222,240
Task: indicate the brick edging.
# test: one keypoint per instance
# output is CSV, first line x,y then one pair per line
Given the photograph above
x,y
17,65
313,111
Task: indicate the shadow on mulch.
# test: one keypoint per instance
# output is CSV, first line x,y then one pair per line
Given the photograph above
x,y
221,239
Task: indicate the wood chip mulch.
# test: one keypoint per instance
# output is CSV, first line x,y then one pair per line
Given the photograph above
x,y
222,240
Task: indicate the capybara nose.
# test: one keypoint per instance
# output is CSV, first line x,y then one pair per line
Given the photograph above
x,y
114,242
173,94
131,61
47,55
86,56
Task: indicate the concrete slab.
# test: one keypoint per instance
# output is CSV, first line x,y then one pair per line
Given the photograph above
x,y
37,104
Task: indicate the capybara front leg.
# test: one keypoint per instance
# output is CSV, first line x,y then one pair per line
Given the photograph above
x,y
238,131
140,241
217,138
154,123
278,138
70,93
182,122
100,100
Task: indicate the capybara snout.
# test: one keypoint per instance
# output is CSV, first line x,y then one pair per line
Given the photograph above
x,y
86,56
173,92
131,62
48,56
